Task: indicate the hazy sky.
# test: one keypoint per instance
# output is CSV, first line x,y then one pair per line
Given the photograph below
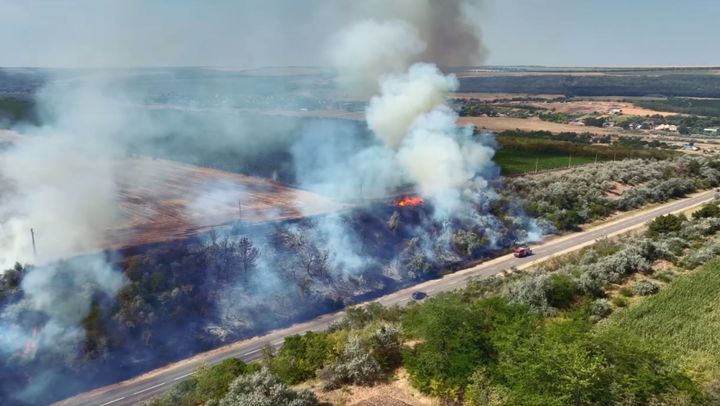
x,y
279,32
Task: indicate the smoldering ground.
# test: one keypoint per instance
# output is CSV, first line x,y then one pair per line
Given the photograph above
x,y
130,314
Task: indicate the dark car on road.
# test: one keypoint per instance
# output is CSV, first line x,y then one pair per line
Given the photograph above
x,y
418,295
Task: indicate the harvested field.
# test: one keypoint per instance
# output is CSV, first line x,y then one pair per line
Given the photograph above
x,y
533,124
601,107
501,96
163,200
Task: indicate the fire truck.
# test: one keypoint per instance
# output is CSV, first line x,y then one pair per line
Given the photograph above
x,y
522,251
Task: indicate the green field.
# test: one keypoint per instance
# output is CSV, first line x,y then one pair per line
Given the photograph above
x,y
682,321
514,161
520,154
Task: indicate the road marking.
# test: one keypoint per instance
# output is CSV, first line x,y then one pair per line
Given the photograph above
x,y
113,401
182,376
251,352
147,389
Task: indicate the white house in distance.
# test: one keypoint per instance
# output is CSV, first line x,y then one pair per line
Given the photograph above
x,y
666,127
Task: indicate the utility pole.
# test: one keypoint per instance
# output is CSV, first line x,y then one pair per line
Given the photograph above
x,y
596,157
32,236
570,161
537,160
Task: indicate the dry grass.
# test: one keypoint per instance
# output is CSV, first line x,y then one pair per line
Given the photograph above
x,y
533,124
601,107
396,392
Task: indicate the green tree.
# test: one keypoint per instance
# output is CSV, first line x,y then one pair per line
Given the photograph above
x,y
213,382
301,356
452,342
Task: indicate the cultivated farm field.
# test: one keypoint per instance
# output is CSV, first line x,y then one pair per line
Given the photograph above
x,y
682,321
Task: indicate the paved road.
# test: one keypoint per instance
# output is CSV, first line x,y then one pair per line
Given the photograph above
x,y
146,386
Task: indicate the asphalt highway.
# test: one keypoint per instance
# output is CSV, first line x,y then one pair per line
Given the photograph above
x,y
146,386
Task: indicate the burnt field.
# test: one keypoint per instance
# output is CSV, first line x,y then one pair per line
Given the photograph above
x,y
196,293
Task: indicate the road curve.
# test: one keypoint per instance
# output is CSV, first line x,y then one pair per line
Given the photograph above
x,y
146,386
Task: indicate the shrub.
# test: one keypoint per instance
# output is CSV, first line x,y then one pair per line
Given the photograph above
x,y
386,346
645,288
482,391
453,341
600,308
619,301
561,290
301,356
626,291
213,382
701,255
665,224
265,389
707,211
355,366
531,291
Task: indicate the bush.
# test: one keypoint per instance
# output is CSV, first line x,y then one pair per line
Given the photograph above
x,y
482,391
355,366
620,301
213,382
600,308
561,290
386,346
626,291
665,224
531,290
453,341
709,210
264,389
301,356
645,288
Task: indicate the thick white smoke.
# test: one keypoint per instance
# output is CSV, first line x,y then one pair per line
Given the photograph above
x,y
60,296
405,97
368,49
411,116
60,180
63,190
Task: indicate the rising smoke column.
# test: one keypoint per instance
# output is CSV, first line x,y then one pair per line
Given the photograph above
x,y
60,179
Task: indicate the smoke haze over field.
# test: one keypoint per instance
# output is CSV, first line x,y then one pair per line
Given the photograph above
x,y
64,176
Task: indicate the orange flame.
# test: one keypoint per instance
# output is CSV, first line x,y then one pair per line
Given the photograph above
x,y
409,201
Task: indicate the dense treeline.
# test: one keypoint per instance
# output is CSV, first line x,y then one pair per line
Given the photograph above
x,y
677,84
517,339
702,107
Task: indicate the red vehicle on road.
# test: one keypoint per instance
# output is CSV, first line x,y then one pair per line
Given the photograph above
x,y
522,251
